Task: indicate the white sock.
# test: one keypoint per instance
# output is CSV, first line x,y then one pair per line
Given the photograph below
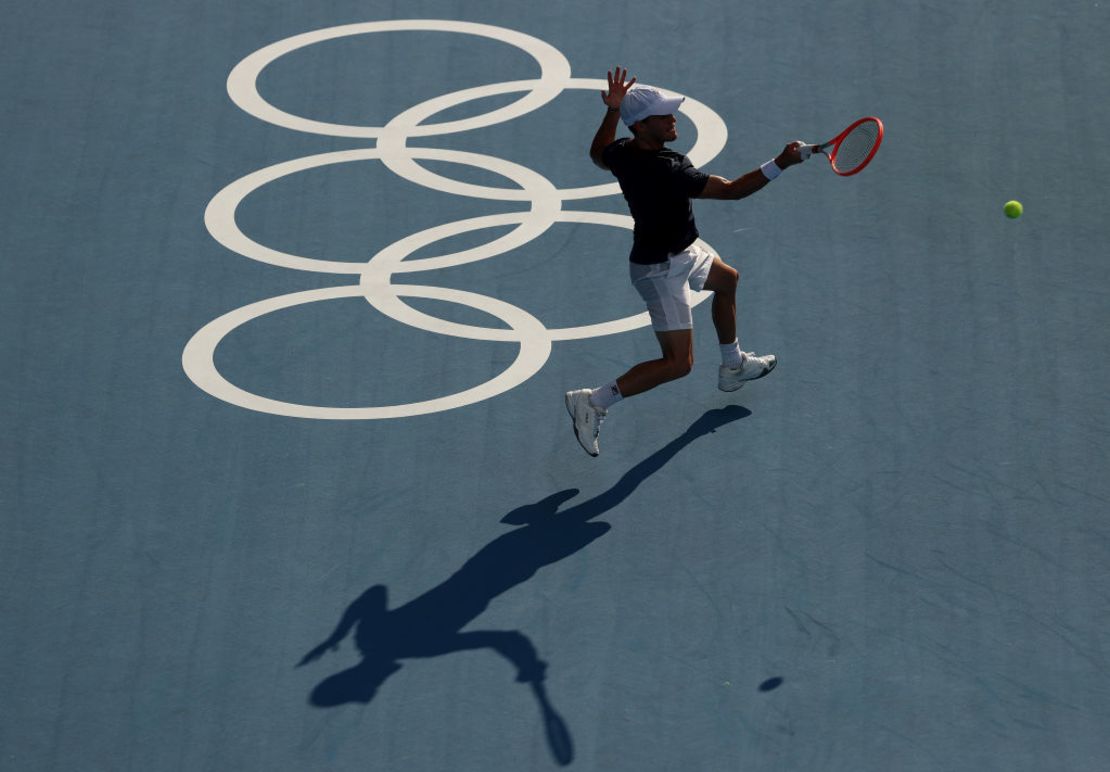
x,y
730,354
603,397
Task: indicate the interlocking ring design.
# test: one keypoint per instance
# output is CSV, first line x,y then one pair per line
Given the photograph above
x,y
374,277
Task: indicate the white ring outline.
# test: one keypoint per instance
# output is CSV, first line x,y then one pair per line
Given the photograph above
x,y
219,216
712,134
198,358
376,283
242,82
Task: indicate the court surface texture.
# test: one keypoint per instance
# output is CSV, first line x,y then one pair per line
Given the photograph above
x,y
292,292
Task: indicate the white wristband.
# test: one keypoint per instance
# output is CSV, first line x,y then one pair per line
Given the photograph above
x,y
770,170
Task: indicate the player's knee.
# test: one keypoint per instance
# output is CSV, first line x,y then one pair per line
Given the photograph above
x,y
680,367
726,279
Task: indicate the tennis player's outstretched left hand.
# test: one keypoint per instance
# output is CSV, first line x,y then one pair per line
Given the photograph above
x,y
617,87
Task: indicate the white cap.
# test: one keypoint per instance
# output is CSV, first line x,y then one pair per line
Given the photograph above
x,y
644,101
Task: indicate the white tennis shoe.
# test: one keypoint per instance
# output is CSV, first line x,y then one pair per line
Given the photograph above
x,y
751,367
586,419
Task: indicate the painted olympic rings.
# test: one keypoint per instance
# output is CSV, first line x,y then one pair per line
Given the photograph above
x,y
375,276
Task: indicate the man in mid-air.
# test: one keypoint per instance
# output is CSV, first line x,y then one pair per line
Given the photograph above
x,y
665,263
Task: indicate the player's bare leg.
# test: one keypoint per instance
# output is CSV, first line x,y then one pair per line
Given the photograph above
x,y
588,407
736,366
722,282
677,347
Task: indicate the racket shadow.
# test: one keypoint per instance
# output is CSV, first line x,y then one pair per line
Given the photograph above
x,y
432,624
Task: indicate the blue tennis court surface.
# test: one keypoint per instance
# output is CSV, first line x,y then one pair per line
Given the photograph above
x,y
291,295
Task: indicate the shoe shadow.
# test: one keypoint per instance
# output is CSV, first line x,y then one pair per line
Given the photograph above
x,y
431,624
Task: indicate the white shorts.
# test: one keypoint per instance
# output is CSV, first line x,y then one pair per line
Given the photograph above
x,y
666,287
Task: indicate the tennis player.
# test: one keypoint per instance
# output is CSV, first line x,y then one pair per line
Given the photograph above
x,y
665,263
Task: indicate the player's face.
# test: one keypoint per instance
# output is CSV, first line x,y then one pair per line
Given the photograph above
x,y
663,128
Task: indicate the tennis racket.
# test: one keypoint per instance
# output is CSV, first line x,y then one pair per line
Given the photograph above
x,y
852,149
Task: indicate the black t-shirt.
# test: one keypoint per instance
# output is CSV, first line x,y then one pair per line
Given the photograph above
x,y
658,185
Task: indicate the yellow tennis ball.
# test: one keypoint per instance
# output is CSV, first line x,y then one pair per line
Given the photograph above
x,y
1012,209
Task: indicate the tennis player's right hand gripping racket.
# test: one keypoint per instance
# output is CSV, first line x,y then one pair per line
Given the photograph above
x,y
852,149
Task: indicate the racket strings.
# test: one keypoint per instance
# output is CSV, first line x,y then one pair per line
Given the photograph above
x,y
855,148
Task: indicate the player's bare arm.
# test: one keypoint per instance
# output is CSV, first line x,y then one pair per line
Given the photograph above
x,y
755,180
607,132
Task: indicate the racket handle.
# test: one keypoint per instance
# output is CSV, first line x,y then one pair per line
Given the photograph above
x,y
806,151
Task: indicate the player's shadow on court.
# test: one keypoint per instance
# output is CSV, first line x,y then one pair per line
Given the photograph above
x,y
432,624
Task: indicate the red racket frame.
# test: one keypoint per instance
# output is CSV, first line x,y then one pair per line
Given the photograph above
x,y
835,142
